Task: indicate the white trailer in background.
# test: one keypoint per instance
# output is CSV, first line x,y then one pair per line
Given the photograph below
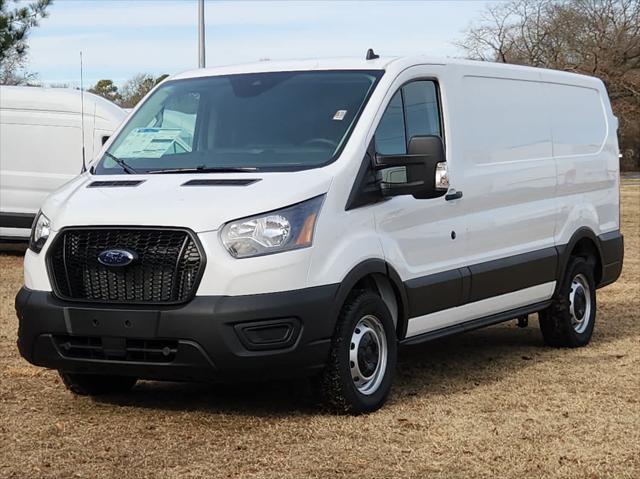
x,y
41,147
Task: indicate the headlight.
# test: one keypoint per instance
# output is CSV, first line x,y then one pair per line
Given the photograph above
x,y
282,230
39,232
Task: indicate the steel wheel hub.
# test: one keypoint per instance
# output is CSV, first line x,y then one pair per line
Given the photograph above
x,y
368,354
580,303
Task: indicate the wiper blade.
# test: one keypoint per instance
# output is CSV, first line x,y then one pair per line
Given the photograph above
x,y
206,169
127,169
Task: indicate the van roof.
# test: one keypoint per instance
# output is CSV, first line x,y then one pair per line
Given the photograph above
x,y
383,63
58,99
290,65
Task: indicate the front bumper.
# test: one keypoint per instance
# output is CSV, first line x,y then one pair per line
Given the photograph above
x,y
269,335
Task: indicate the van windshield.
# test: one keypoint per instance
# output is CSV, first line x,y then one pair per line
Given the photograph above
x,y
263,121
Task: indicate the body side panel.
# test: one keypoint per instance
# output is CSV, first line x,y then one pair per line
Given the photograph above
x,y
586,155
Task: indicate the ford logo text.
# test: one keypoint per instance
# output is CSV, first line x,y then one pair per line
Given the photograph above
x,y
117,257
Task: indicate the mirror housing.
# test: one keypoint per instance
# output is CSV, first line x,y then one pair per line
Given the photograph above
x,y
425,160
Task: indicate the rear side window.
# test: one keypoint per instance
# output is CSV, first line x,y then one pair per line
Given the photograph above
x,y
577,119
413,111
505,120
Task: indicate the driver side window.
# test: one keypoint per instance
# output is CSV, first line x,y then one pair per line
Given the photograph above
x,y
391,133
413,111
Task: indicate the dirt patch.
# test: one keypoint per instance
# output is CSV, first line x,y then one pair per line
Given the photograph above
x,y
491,403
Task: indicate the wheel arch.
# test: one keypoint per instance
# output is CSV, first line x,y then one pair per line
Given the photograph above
x,y
378,276
585,243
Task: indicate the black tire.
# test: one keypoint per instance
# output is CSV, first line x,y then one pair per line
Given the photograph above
x,y
337,383
557,323
96,385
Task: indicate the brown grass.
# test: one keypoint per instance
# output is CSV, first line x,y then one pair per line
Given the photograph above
x,y
491,403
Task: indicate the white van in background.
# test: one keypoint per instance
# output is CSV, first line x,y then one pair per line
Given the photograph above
x,y
306,218
41,147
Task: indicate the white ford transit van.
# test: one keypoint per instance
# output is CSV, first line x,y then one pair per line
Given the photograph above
x,y
41,147
306,218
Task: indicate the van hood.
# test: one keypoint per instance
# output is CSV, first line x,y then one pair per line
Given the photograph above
x,y
168,200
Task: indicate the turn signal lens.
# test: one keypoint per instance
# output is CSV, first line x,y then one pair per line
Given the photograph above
x,y
442,176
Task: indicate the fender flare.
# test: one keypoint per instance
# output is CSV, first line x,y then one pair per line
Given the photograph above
x,y
565,250
367,268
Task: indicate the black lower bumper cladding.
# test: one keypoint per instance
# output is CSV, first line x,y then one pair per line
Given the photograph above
x,y
209,338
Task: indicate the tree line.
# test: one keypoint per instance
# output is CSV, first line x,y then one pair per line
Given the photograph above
x,y
131,92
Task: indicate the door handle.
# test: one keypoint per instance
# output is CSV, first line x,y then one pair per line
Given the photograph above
x,y
453,195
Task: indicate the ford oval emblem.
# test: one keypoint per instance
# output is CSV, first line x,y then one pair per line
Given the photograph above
x,y
117,257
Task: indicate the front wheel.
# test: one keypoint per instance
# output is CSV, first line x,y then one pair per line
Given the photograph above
x,y
358,376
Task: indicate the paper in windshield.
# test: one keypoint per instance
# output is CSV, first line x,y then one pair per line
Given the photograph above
x,y
150,143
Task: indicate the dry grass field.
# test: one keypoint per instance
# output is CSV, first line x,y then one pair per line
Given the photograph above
x,y
491,403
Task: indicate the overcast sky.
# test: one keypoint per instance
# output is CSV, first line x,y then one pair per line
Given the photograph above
x,y
120,38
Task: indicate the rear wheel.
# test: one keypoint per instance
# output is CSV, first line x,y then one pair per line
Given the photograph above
x,y
95,384
361,365
570,319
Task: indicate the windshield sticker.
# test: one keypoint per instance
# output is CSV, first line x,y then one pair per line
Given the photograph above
x,y
151,143
340,114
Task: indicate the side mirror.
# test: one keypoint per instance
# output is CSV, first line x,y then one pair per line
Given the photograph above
x,y
422,172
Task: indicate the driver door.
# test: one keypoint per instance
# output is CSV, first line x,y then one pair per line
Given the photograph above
x,y
423,239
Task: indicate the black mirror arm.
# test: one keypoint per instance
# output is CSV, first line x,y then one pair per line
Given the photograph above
x,y
395,189
389,161
453,195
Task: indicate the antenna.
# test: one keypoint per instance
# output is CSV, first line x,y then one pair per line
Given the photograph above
x,y
202,60
371,55
84,162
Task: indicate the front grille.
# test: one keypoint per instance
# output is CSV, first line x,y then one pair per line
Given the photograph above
x,y
135,350
168,266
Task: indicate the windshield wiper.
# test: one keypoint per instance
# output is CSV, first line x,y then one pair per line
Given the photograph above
x,y
207,169
127,169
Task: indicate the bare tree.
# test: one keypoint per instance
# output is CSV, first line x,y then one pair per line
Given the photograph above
x,y
12,72
594,37
137,87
